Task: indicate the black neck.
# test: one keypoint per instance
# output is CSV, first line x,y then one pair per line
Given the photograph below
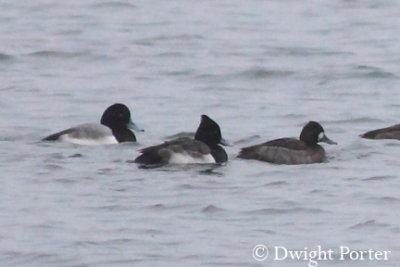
x,y
218,154
124,135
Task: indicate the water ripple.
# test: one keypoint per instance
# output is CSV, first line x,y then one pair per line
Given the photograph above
x,y
277,183
212,209
6,57
156,207
379,178
115,4
368,224
304,51
262,73
24,259
51,54
272,211
370,72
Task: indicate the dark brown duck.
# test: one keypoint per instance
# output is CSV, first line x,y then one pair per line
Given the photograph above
x,y
289,150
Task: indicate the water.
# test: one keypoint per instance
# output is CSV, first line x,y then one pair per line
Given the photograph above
x,y
262,69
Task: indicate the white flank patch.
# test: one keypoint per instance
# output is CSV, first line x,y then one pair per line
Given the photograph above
x,y
186,158
106,140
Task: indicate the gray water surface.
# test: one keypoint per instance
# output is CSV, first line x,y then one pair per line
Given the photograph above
x,y
261,69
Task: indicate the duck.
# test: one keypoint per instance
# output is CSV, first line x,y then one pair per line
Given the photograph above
x,y
304,150
115,127
203,149
391,132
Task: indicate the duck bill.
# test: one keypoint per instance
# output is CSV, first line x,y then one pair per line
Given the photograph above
x,y
225,142
133,126
325,139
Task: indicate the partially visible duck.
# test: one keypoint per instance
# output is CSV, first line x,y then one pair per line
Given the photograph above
x,y
392,132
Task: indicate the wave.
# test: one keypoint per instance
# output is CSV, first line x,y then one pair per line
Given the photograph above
x,y
212,209
362,71
379,178
271,211
6,57
261,73
45,54
368,224
115,4
303,51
